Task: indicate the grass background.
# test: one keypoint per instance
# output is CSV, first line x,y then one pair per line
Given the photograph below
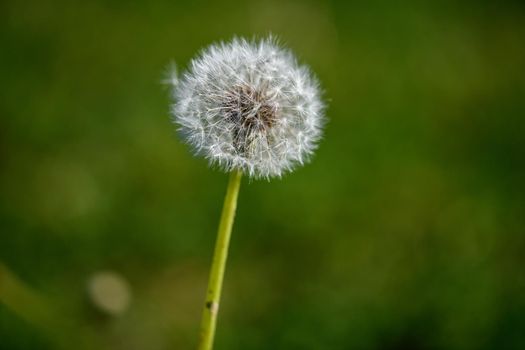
x,y
405,232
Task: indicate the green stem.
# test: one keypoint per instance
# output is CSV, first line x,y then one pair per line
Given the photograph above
x,y
211,306
43,313
23,301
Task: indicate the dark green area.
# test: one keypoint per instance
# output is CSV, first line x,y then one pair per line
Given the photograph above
x,y
407,231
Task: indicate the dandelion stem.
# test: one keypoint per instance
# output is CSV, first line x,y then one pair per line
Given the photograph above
x,y
211,305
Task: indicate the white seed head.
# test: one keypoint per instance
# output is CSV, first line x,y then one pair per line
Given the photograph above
x,y
249,106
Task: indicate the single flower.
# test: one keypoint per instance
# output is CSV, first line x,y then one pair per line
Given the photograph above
x,y
249,106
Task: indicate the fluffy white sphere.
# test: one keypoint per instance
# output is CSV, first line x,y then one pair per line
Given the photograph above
x,y
249,106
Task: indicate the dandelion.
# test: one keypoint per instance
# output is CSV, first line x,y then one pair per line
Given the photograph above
x,y
248,107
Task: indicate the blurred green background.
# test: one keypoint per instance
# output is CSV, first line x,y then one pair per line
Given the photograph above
x,y
407,231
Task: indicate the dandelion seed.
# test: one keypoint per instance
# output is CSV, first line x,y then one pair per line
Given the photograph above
x,y
249,106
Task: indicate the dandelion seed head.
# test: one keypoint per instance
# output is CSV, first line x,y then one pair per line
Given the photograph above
x,y
249,105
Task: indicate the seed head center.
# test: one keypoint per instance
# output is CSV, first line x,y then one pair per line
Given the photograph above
x,y
250,109
252,114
